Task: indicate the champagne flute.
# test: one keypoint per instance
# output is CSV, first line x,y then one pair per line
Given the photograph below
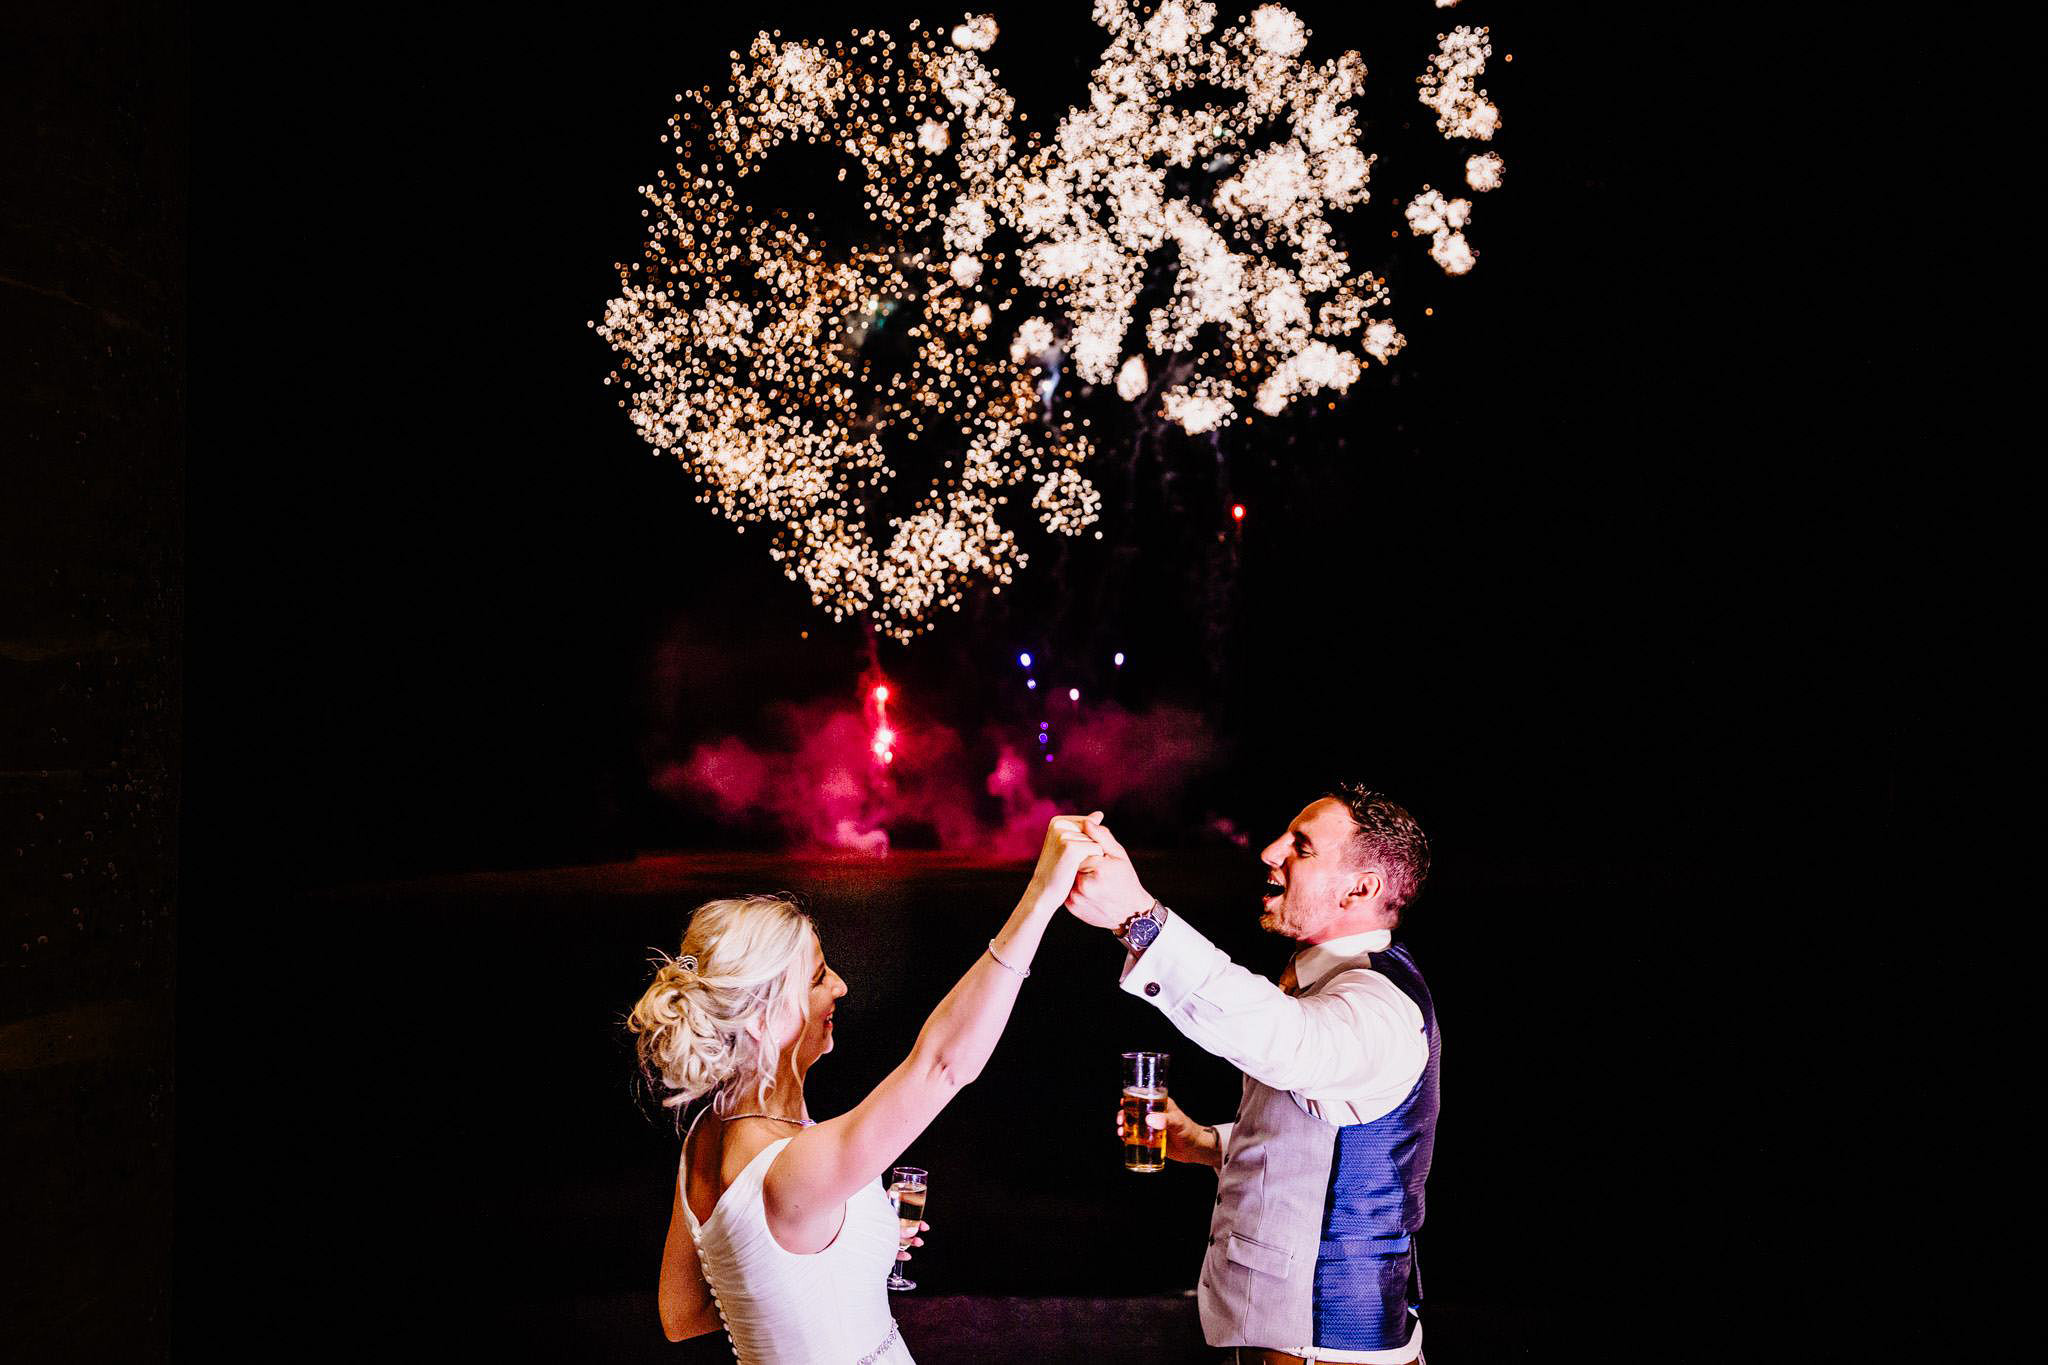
x,y
906,1189
1144,1096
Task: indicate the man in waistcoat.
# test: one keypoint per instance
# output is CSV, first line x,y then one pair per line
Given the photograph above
x,y
1320,1176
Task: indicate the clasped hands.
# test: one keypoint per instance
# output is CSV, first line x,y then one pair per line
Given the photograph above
x,y
1084,866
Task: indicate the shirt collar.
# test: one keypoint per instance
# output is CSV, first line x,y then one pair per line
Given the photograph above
x,y
1318,960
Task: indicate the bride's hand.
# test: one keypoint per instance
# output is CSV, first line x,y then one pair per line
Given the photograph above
x,y
903,1251
1067,846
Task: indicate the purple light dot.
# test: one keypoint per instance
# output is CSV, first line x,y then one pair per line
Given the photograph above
x,y
1044,738
1045,725
1048,758
1031,683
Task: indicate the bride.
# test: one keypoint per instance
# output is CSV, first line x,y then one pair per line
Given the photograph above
x,y
780,1230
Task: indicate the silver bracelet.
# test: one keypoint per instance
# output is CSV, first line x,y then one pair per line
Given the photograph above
x,y
1020,971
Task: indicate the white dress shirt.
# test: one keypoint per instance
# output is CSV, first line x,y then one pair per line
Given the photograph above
x,y
1350,1053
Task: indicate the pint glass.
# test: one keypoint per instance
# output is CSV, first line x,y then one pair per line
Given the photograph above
x,y
1144,1096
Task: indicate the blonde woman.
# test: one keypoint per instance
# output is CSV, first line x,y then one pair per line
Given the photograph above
x,y
780,1229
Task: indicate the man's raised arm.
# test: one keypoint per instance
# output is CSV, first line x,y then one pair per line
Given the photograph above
x,y
1335,1042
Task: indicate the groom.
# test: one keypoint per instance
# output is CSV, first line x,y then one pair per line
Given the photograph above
x,y
1320,1181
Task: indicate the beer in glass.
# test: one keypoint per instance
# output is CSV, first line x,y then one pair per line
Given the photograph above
x,y
1144,1096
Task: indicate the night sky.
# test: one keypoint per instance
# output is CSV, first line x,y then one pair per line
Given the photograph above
x,y
1600,577
1538,565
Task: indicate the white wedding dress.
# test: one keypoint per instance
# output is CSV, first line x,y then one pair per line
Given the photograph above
x,y
781,1308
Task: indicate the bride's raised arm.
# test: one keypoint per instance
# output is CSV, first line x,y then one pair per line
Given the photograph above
x,y
826,1165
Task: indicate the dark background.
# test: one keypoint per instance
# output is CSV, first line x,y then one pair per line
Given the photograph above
x,y
1588,579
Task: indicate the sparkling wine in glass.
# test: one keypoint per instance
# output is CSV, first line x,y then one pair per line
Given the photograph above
x,y
906,1188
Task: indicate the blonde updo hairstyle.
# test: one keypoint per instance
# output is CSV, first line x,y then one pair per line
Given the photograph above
x,y
707,1024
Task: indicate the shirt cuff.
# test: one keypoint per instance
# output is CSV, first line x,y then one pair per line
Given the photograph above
x,y
1223,1141
1174,967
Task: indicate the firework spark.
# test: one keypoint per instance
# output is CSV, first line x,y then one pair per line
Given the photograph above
x,y
1442,220
1450,85
760,354
1483,172
1262,296
743,340
883,747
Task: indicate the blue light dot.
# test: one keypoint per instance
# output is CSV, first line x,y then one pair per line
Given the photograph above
x,y
1044,738
1031,682
1024,659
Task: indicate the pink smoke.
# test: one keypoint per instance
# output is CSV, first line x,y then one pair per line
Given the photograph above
x,y
824,786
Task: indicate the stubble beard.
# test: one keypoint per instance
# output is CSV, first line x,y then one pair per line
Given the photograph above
x,y
1271,919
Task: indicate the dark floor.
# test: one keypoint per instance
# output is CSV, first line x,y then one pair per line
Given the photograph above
x,y
85,1215
1003,1330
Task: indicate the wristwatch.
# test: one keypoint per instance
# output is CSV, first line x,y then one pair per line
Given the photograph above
x,y
1140,929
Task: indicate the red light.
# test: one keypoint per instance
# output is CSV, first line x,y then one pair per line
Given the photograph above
x,y
881,694
1237,511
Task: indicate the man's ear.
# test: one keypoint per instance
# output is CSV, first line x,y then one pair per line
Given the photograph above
x,y
1365,888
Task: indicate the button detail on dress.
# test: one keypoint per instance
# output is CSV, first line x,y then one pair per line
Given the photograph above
x,y
1151,988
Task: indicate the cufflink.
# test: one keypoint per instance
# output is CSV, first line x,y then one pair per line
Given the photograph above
x,y
1151,988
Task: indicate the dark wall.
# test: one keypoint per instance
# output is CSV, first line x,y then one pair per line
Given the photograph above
x,y
92,445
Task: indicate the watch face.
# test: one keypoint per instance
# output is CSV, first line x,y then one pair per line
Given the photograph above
x,y
1142,931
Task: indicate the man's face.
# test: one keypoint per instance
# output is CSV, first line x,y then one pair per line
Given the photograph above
x,y
1309,872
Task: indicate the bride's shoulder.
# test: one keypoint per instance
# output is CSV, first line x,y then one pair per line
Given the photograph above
x,y
740,1141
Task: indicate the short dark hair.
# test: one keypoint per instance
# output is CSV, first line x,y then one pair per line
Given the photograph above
x,y
1385,836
